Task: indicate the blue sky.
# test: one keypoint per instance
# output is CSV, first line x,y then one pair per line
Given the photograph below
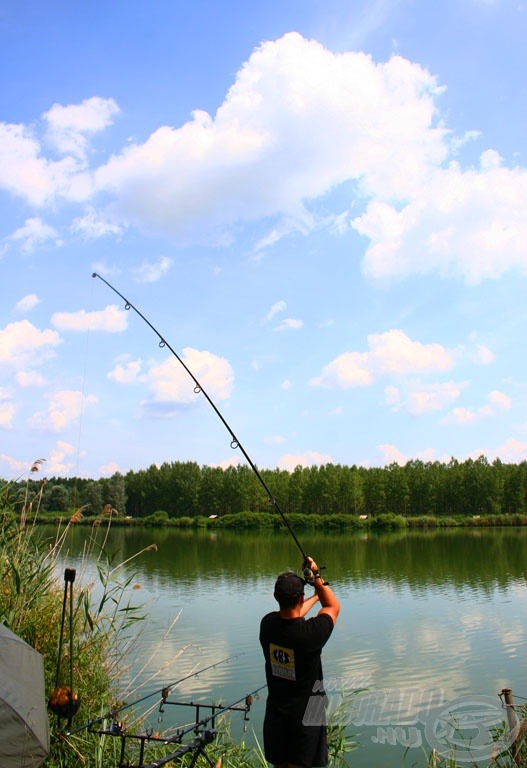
x,y
319,205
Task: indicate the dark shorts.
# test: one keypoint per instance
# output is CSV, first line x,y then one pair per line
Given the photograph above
x,y
287,740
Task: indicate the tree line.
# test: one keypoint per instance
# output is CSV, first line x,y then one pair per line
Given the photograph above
x,y
186,489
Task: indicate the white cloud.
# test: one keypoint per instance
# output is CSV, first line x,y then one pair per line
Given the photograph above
x,y
260,157
21,343
20,467
307,459
69,126
7,409
33,233
24,172
92,225
110,320
150,272
168,382
482,355
392,455
28,378
512,451
27,303
424,398
290,324
347,370
233,461
213,171
110,469
64,409
390,353
497,402
55,463
276,308
126,373
467,224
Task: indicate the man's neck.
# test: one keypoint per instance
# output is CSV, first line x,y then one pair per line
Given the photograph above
x,y
290,613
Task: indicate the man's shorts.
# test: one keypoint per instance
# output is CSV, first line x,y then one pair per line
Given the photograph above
x,y
287,740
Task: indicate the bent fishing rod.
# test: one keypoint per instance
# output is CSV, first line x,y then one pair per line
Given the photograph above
x,y
235,442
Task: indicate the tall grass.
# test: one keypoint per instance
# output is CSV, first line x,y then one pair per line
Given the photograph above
x,y
104,621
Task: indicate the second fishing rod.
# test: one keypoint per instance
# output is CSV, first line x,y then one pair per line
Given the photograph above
x,y
235,442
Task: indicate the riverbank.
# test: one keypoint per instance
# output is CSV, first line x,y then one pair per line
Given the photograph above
x,y
268,521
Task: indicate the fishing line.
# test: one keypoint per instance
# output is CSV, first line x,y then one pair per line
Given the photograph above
x,y
235,442
165,689
81,408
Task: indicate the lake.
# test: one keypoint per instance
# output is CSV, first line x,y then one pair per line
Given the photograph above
x,y
431,622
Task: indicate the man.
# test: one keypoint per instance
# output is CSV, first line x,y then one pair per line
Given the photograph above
x,y
292,647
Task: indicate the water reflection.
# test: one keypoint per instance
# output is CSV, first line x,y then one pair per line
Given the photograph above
x,y
440,609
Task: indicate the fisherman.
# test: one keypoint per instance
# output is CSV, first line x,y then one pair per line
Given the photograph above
x,y
292,648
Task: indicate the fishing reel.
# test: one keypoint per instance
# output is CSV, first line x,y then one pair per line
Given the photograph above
x,y
310,575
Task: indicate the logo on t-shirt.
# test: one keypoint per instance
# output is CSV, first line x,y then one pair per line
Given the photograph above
x,y
282,661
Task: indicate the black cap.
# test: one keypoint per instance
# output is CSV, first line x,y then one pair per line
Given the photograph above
x,y
288,585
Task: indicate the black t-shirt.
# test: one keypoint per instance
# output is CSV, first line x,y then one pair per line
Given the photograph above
x,y
293,666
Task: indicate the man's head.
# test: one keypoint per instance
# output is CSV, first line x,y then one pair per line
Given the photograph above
x,y
288,590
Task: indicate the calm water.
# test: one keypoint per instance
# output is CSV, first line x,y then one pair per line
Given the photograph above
x,y
430,615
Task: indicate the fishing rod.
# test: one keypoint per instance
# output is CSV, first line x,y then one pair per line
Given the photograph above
x,y
207,736
235,442
197,746
163,691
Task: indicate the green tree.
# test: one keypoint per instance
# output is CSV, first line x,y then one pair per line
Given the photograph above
x,y
57,498
116,493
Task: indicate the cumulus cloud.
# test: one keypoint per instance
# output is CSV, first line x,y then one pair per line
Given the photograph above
x,y
260,157
107,470
68,127
32,234
214,171
390,353
40,181
110,320
424,398
307,459
126,372
93,225
56,463
64,409
467,224
393,455
169,384
511,451
497,402
22,343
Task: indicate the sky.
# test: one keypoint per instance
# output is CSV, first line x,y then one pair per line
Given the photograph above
x,y
320,205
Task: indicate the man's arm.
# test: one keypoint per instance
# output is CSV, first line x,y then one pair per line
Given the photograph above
x,y
308,604
328,599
